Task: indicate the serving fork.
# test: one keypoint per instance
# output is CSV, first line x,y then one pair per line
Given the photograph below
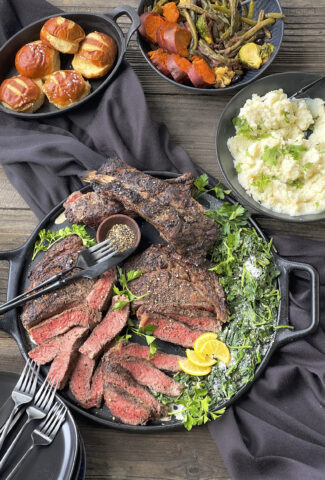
x,y
38,410
22,394
91,262
45,433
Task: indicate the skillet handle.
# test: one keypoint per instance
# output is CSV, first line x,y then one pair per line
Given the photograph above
x,y
284,336
133,16
8,322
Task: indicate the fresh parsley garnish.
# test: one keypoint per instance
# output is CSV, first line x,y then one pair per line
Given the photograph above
x,y
296,183
308,165
261,182
238,167
243,128
47,238
286,117
202,186
271,155
295,151
124,290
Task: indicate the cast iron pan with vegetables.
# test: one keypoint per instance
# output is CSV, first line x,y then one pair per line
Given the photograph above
x,y
20,264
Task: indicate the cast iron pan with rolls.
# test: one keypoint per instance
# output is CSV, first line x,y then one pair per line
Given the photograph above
x,y
90,22
20,263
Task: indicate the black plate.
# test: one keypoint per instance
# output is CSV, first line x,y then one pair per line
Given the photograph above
x,y
57,461
249,76
20,265
90,22
290,83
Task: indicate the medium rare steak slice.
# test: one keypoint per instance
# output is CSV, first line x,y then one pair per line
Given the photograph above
x,y
146,374
82,316
118,376
179,218
55,302
171,331
163,361
110,326
101,292
86,384
197,319
90,208
64,350
126,407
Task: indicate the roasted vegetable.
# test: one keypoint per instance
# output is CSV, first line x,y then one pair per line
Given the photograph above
x,y
200,74
170,12
150,23
203,28
192,29
249,55
159,59
178,67
174,38
266,51
224,76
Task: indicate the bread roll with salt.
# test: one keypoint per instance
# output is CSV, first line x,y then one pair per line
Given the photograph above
x,y
62,34
65,88
36,60
21,94
96,55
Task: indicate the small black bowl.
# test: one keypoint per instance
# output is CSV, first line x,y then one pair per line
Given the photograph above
x,y
89,22
290,83
250,75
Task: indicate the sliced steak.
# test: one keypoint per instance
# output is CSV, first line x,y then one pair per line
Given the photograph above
x,y
146,374
55,302
86,384
82,316
126,407
90,208
160,360
118,376
179,218
64,350
197,319
171,331
101,293
110,326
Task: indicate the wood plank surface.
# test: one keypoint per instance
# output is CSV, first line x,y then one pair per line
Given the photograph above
x,y
175,455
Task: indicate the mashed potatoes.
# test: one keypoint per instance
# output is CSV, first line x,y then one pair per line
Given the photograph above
x,y
276,164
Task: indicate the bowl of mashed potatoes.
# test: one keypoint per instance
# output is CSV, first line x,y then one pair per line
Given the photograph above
x,y
271,149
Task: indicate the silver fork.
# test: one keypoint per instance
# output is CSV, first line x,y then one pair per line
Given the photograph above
x,y
86,259
45,433
22,393
38,410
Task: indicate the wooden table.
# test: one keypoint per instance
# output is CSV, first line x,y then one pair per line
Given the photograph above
x,y
192,121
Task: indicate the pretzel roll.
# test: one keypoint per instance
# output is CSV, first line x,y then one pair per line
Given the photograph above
x,y
96,55
65,88
21,94
36,60
62,34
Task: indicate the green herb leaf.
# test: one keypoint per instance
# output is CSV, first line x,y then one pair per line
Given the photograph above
x,y
308,165
261,182
295,151
132,275
286,117
242,125
296,183
271,155
238,167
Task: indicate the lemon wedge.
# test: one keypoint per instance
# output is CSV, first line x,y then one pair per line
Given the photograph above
x,y
200,360
215,349
202,339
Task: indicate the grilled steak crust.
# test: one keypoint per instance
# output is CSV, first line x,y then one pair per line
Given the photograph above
x,y
55,302
197,319
118,376
86,384
64,350
179,219
126,407
145,373
90,208
101,293
79,316
171,280
170,330
110,326
163,361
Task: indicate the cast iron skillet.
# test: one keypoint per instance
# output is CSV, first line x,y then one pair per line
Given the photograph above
x,y
90,22
20,265
290,82
249,76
